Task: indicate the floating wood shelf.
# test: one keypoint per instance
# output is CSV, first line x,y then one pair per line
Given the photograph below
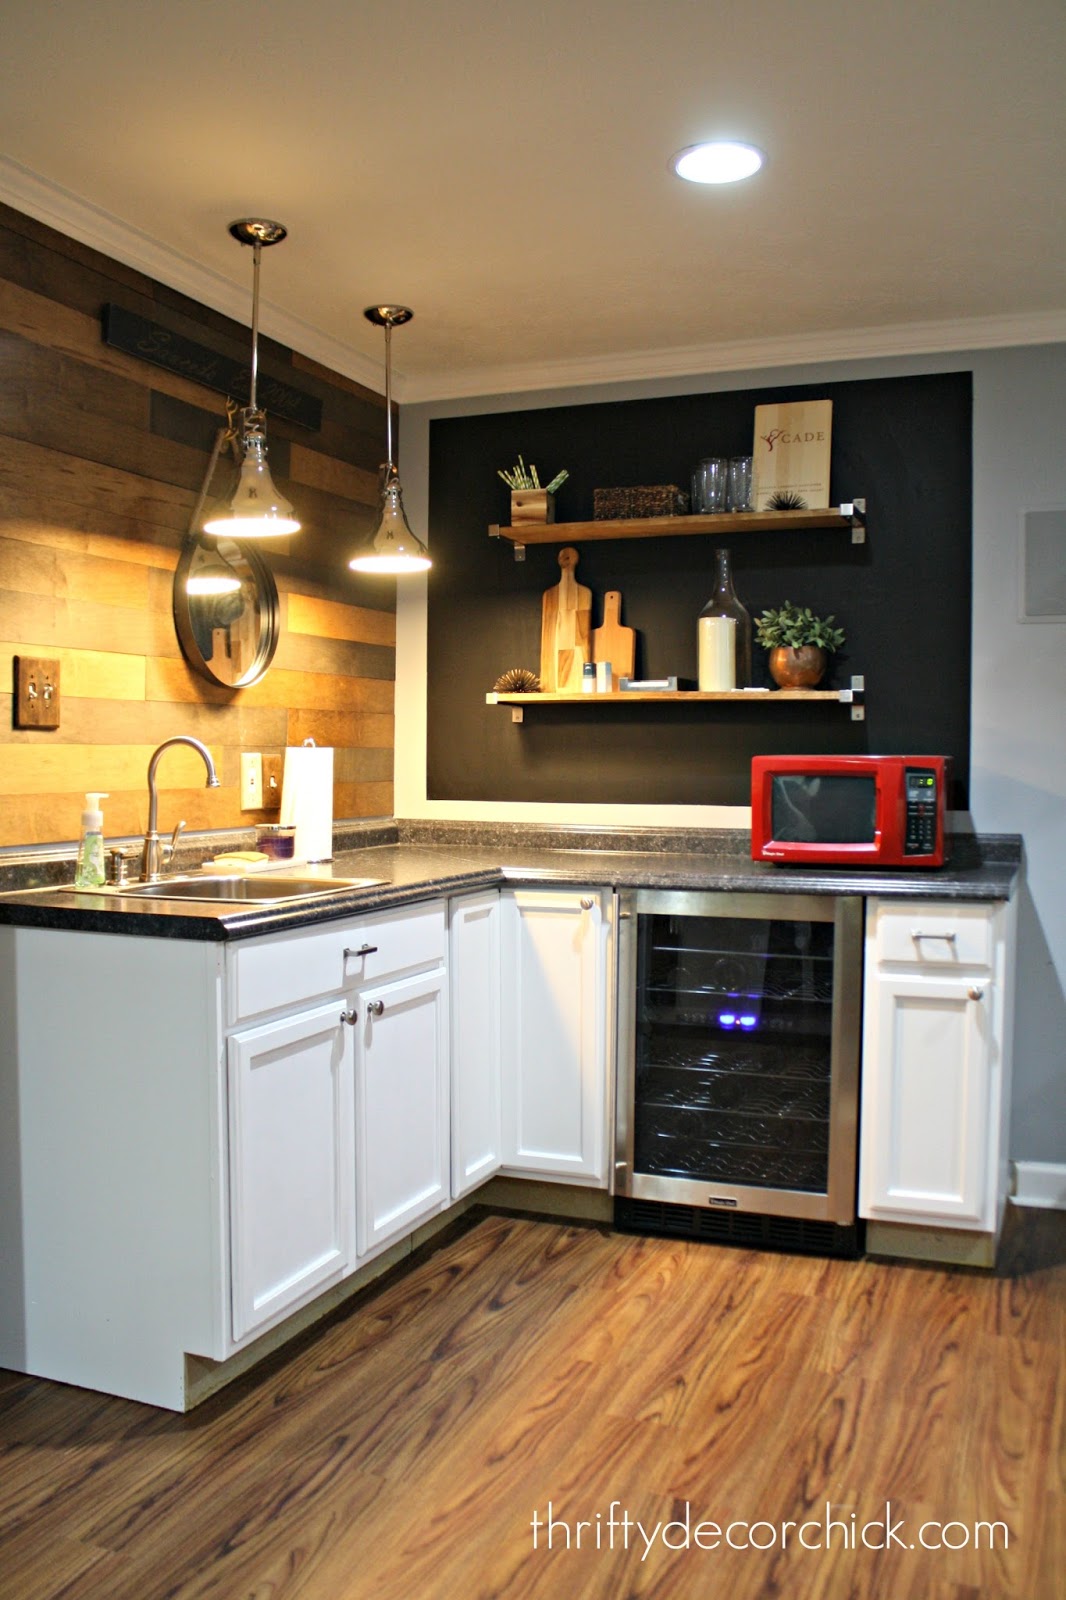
x,y
853,697
851,515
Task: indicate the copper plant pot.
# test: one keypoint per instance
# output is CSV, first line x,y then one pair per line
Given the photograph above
x,y
797,668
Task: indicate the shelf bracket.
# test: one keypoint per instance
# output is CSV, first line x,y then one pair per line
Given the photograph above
x,y
519,549
855,511
518,713
855,697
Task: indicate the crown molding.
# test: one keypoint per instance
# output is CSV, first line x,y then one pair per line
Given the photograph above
x,y
79,219
852,344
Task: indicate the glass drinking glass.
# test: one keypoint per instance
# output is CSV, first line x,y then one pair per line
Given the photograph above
x,y
710,484
739,494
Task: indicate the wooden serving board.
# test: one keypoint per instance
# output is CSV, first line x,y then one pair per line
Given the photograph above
x,y
566,616
611,642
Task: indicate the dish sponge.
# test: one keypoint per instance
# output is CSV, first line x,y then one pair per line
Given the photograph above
x,y
239,861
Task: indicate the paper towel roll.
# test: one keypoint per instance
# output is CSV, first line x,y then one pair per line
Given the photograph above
x,y
307,800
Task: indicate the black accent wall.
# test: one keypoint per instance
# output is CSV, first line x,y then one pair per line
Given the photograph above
x,y
903,597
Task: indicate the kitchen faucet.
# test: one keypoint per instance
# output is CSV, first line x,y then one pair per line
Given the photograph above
x,y
157,855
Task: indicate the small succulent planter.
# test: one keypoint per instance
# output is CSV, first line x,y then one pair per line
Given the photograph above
x,y
802,668
799,645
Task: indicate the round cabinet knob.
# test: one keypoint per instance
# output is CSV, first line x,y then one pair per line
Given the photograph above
x,y
976,994
375,1008
350,1017
587,902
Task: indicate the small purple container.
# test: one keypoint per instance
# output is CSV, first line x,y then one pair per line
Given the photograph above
x,y
277,839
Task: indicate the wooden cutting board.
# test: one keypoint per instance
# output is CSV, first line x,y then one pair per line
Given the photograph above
x,y
611,642
566,618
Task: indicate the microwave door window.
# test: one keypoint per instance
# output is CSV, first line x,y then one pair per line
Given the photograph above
x,y
823,810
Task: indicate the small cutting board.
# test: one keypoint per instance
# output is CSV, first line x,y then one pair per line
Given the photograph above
x,y
611,642
566,618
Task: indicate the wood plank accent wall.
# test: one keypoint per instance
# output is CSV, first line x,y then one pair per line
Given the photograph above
x,y
101,460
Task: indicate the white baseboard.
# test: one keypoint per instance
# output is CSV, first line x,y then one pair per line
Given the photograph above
x,y
1040,1183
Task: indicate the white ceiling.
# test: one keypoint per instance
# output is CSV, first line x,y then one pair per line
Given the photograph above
x,y
502,168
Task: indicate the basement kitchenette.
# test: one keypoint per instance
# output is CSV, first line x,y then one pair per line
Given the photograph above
x,y
223,1115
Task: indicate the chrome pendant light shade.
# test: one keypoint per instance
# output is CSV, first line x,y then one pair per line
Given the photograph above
x,y
392,546
257,509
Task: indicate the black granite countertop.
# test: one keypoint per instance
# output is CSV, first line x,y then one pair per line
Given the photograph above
x,y
420,861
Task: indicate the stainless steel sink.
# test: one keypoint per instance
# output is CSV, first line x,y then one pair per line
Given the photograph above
x,y
240,890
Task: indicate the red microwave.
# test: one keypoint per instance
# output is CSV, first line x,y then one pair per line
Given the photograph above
x,y
882,811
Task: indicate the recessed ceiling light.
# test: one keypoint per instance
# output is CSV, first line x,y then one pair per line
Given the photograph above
x,y
721,161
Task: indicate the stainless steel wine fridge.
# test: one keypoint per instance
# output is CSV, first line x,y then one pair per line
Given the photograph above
x,y
739,1028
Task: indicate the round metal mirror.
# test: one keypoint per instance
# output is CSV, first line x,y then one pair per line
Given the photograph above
x,y
225,610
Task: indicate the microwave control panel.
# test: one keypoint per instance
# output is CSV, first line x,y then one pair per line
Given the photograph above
x,y
921,802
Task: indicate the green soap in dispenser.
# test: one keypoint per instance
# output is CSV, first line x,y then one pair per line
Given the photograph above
x,y
89,872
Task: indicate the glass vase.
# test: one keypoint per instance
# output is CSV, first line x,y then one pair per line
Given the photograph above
x,y
724,634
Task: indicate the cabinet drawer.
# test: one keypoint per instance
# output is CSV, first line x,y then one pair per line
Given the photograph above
x,y
939,936
290,969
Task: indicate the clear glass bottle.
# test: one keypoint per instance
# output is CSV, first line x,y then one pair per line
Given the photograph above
x,y
714,631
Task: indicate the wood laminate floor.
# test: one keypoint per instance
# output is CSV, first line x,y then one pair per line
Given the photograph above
x,y
402,1450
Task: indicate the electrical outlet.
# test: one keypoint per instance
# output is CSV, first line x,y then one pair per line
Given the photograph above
x,y
272,776
36,692
251,781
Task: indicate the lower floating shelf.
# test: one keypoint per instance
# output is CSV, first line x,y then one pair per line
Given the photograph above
x,y
853,697
752,696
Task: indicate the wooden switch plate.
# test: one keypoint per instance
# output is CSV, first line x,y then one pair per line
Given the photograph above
x,y
36,692
272,774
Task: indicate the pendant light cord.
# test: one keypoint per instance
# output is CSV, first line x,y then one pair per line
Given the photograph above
x,y
388,390
257,250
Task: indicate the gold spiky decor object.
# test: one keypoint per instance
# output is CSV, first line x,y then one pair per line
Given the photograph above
x,y
517,680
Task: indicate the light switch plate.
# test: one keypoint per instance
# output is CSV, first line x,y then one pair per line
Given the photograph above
x,y
272,775
36,692
251,781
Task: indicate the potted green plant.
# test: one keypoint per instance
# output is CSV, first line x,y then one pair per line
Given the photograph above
x,y
799,644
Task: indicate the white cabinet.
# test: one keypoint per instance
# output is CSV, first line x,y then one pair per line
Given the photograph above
x,y
401,1109
556,1013
474,985
386,973
291,1169
935,1071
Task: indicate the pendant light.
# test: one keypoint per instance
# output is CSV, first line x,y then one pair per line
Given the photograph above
x,y
257,510
391,547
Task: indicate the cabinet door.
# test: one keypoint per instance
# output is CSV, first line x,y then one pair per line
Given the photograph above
x,y
556,1032
401,1110
474,970
927,1082
291,1180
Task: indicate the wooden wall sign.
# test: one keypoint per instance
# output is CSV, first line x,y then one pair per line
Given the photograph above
x,y
790,455
149,341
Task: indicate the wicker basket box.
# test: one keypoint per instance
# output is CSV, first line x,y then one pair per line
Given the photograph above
x,y
646,500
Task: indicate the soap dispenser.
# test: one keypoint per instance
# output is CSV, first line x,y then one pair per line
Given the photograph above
x,y
89,872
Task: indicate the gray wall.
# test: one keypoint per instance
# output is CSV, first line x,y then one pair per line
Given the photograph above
x,y
1018,712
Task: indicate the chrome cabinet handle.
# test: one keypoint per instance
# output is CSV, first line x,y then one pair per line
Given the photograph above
x,y
587,902
917,933
375,1008
363,950
350,1017
976,994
